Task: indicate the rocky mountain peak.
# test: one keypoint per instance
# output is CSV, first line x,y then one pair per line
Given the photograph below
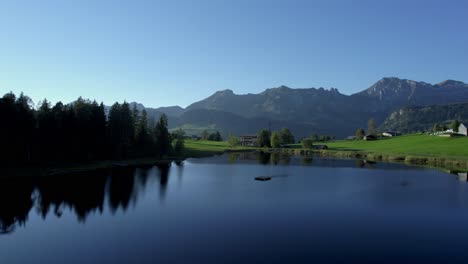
x,y
450,83
224,92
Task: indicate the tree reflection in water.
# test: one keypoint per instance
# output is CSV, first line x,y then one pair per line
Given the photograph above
x,y
163,178
15,203
82,194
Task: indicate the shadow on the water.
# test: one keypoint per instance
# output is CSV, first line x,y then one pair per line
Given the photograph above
x,y
82,194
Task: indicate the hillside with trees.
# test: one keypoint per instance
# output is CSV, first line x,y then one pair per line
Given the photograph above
x,y
424,118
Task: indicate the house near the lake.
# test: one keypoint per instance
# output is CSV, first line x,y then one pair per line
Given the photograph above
x,y
248,140
462,130
390,134
370,137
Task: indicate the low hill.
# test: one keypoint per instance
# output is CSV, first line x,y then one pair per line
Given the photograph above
x,y
422,118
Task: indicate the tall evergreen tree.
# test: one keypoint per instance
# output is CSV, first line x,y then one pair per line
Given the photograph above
x,y
264,138
162,138
143,140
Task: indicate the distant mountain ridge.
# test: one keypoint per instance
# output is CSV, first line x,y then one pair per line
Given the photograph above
x,y
423,118
392,92
311,110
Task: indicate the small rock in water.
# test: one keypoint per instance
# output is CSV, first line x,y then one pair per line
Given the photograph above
x,y
262,178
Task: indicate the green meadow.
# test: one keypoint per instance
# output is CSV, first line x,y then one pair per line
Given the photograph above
x,y
200,148
415,144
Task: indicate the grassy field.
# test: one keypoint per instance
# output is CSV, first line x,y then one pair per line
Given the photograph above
x,y
434,151
200,148
419,145
416,144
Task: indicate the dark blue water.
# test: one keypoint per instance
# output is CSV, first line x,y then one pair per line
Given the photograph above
x,y
213,211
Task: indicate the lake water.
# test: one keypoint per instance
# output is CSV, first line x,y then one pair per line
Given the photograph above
x,y
211,210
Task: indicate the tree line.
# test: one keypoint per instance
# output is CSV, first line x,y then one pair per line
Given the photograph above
x,y
281,138
79,131
275,139
215,136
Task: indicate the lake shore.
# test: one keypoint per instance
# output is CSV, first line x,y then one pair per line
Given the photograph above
x,y
404,149
429,161
416,149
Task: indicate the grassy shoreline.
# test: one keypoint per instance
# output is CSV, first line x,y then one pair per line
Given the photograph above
x,y
416,149
452,154
429,161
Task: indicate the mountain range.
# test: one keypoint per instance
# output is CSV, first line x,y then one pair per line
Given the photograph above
x,y
310,110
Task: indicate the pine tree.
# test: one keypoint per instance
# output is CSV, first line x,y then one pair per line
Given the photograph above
x,y
264,138
161,135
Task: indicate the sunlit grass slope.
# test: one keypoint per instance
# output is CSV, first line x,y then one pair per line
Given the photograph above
x,y
197,148
421,145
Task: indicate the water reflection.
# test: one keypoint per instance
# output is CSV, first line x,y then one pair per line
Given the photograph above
x,y
16,200
221,214
261,157
82,194
118,189
264,157
279,158
365,164
163,178
462,176
306,160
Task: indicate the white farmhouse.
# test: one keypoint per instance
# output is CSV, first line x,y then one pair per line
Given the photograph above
x,y
462,130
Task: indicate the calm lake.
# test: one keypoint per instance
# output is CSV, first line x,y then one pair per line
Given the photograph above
x,y
211,210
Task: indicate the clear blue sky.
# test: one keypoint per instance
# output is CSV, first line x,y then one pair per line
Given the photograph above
x,y
172,52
